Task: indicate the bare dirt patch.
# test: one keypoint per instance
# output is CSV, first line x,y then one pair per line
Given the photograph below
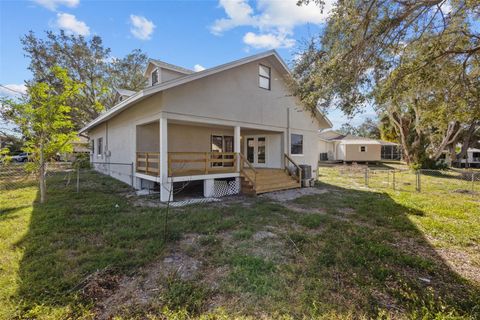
x,y
292,194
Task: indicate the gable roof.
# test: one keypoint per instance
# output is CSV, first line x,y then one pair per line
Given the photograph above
x,y
149,91
331,136
124,92
169,66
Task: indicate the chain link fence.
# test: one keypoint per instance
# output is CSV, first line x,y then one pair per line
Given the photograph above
x,y
78,177
404,180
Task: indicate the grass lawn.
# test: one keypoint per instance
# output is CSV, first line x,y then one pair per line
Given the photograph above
x,y
344,252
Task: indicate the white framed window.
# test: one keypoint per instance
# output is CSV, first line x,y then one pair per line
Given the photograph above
x,y
92,146
296,144
154,77
264,77
100,147
363,148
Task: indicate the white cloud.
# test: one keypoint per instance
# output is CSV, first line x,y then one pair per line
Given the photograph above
x,y
198,67
274,19
267,41
53,4
142,28
13,90
69,23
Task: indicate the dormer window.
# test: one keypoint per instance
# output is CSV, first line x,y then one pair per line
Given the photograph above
x,y
154,77
264,77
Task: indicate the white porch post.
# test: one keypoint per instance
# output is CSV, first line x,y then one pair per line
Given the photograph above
x,y
236,144
164,184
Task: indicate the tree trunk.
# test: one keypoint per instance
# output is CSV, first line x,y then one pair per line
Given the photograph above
x,y
43,185
467,141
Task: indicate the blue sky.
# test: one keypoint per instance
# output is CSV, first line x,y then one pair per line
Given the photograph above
x,y
192,34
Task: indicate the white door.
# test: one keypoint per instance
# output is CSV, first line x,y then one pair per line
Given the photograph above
x,y
256,150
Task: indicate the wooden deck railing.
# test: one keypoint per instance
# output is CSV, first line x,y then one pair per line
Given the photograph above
x,y
250,173
198,163
148,163
297,174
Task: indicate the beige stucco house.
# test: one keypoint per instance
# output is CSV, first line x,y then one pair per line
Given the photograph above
x,y
335,146
232,126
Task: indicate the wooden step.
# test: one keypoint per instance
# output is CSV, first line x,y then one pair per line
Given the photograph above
x,y
268,180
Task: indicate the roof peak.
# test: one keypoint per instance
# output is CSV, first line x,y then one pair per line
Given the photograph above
x,y
166,65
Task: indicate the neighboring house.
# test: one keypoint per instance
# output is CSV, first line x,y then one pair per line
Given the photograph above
x,y
335,146
231,126
390,151
472,159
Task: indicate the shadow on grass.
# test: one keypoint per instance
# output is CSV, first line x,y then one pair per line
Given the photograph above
x,y
362,261
370,258
74,234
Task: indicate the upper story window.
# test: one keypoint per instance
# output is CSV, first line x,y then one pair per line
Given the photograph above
x,y
154,77
363,148
264,74
100,147
296,142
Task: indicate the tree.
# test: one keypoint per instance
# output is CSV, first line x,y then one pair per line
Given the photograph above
x,y
44,118
127,73
388,53
84,61
87,62
367,129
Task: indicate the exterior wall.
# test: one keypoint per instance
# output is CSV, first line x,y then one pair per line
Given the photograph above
x,y
191,138
167,75
235,97
341,151
119,138
353,152
311,151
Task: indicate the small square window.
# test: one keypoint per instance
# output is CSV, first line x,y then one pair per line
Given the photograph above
x,y
363,148
155,77
264,77
296,142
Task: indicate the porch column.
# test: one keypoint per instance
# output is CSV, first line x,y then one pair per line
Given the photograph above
x,y
164,184
236,144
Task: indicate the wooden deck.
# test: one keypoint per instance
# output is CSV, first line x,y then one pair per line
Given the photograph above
x,y
181,164
254,180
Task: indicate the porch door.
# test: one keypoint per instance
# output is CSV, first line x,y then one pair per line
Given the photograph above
x,y
256,150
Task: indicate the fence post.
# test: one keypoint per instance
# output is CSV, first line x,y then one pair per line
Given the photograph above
x,y
393,180
131,174
366,177
419,187
473,181
78,179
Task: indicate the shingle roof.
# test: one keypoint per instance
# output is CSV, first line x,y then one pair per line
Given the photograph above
x,y
170,66
125,92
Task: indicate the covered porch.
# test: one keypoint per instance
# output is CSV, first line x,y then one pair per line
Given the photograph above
x,y
170,151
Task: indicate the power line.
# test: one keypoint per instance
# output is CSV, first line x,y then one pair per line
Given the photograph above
x,y
13,90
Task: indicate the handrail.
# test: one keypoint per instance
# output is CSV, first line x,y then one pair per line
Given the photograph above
x,y
299,170
191,162
244,160
148,163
